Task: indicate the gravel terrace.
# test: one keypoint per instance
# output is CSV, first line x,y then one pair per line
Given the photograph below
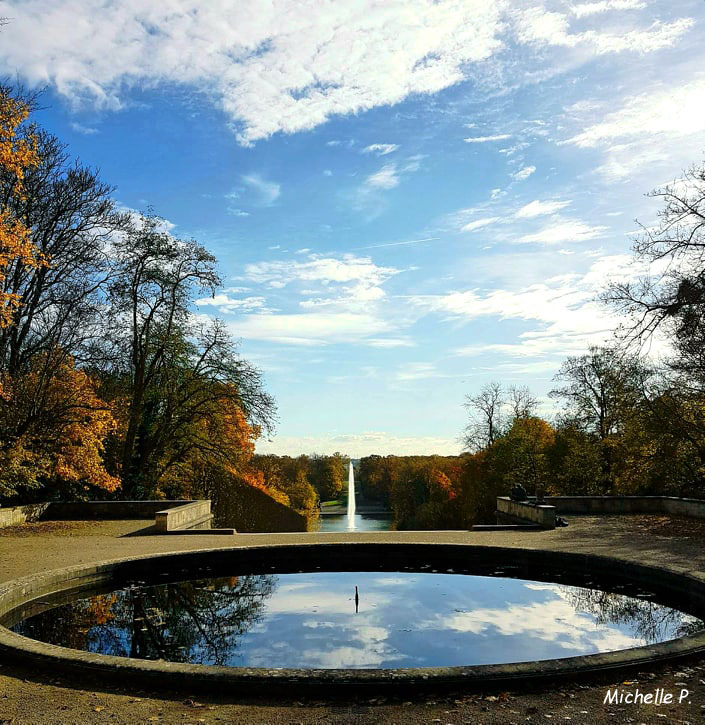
x,y
30,697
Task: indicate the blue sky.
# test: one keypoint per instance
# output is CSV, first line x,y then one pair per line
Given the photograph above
x,y
407,199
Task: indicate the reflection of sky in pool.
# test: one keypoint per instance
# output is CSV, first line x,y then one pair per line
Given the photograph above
x,y
404,620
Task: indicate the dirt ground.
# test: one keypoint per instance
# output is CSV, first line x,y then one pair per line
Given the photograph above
x,y
35,697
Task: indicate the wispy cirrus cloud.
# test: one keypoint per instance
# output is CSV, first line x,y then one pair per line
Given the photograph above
x,y
538,26
479,223
386,178
266,191
539,208
380,149
313,328
225,303
487,139
582,10
561,231
369,196
85,130
523,173
650,128
564,307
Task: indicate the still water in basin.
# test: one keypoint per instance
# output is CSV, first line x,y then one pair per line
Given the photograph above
x,y
363,522
403,619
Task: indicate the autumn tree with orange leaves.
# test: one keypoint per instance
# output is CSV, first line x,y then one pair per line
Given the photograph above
x,y
64,444
52,423
17,155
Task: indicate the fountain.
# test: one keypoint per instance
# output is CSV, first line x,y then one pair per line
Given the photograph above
x,y
351,498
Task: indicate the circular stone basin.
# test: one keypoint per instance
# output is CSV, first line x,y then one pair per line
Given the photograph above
x,y
401,619
276,619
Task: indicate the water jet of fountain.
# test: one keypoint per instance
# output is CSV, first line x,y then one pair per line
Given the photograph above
x,y
351,497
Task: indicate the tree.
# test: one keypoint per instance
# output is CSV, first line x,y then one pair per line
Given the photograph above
x,y
72,221
52,423
17,156
171,371
598,390
53,434
327,475
576,462
601,392
486,416
670,299
522,404
672,294
526,447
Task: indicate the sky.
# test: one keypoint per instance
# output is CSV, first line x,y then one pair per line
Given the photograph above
x,y
407,199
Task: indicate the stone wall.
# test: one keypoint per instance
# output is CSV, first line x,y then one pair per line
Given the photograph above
x,y
523,512
193,515
85,510
692,507
19,514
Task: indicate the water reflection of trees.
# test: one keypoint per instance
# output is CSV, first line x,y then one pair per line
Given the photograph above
x,y
197,621
648,620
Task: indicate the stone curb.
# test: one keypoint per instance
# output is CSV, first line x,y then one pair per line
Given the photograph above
x,y
677,585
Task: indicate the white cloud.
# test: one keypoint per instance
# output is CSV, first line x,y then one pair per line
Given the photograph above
x,y
311,328
227,304
344,309
659,35
281,68
368,197
583,9
514,148
380,149
348,268
266,191
274,69
85,130
539,208
524,173
565,307
479,223
674,111
389,342
417,371
238,212
539,26
485,139
649,129
386,178
563,231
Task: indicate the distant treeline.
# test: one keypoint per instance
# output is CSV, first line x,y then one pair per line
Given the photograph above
x,y
305,480
621,431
